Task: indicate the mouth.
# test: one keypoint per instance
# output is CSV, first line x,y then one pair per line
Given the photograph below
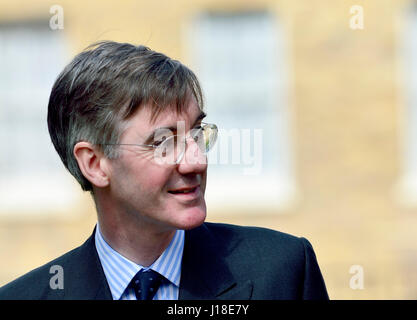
x,y
186,194
184,190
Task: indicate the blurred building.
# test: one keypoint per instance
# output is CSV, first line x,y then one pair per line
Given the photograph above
x,y
326,88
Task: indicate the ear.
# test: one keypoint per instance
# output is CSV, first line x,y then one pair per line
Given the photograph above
x,y
92,164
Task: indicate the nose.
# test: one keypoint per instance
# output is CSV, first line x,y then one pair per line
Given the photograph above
x,y
194,160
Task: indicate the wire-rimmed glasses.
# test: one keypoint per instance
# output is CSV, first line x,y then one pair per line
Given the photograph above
x,y
170,149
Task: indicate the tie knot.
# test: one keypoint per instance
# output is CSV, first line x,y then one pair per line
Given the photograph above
x,y
146,283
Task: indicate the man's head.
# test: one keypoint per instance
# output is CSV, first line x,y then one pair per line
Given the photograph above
x,y
104,86
104,107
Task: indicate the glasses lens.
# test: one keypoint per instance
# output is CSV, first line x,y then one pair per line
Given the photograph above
x,y
199,137
169,150
209,137
205,137
173,147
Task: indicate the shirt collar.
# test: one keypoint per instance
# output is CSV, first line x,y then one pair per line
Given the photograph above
x,y
119,270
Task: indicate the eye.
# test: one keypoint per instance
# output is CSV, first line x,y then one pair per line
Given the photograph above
x,y
197,133
198,128
159,141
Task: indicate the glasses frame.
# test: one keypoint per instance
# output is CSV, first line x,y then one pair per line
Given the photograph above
x,y
180,157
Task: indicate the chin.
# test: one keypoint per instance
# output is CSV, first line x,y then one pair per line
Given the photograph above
x,y
192,218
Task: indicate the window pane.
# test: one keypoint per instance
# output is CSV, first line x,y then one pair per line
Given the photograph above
x,y
31,57
239,60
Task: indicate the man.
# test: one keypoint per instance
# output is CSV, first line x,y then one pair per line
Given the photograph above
x,y
127,124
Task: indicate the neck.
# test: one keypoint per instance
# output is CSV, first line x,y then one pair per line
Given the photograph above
x,y
135,237
139,244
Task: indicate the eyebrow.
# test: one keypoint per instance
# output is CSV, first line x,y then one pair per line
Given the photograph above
x,y
201,116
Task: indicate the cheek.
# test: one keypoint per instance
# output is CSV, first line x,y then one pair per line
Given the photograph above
x,y
138,178
153,181
203,182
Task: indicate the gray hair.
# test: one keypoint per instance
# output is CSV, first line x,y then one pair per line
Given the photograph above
x,y
104,86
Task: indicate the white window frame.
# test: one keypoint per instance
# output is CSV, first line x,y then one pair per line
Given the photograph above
x,y
274,188
33,181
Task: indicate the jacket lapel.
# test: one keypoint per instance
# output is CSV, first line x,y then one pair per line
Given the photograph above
x,y
205,272
84,275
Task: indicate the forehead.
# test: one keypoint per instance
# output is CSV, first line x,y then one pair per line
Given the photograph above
x,y
142,122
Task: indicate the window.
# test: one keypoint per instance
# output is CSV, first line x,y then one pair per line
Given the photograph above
x,y
408,183
239,59
32,177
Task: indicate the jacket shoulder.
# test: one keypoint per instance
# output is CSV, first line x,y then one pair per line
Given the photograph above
x,y
257,245
39,283
272,259
258,236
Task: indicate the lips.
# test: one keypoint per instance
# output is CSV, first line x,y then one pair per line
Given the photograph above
x,y
187,196
185,190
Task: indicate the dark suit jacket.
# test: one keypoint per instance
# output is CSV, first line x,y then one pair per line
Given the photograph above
x,y
219,262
